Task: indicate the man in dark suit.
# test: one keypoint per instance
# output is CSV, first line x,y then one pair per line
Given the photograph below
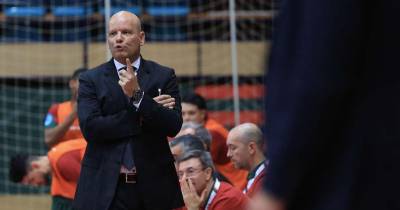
x,y
126,116
333,106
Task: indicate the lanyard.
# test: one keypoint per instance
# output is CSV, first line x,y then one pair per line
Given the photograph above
x,y
216,186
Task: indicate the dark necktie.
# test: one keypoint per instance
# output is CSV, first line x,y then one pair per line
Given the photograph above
x,y
127,159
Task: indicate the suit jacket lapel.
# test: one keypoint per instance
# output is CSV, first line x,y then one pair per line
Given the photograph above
x,y
143,74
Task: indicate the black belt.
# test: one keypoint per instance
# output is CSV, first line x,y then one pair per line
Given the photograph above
x,y
129,178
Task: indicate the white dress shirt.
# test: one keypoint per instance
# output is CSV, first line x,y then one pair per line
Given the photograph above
x,y
135,64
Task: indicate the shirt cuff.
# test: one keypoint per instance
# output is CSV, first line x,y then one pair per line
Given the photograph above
x,y
138,103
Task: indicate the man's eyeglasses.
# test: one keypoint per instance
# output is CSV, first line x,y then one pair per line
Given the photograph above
x,y
190,172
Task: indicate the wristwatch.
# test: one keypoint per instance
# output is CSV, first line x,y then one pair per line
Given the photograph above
x,y
137,96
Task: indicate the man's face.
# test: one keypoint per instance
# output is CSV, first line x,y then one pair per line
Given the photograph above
x,y
34,177
191,113
193,169
238,151
125,38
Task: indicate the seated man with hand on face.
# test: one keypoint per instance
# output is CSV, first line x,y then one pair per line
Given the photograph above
x,y
183,144
201,190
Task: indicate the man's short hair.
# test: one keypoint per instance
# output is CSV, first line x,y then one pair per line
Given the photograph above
x,y
195,99
188,142
200,131
203,156
76,73
19,166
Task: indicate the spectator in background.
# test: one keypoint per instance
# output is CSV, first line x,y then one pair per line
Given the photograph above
x,y
62,163
201,190
198,130
186,143
194,109
182,144
61,122
246,151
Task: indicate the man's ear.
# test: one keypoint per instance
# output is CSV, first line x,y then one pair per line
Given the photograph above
x,y
209,173
252,147
142,37
71,83
203,113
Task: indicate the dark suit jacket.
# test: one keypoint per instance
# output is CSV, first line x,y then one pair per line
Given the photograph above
x,y
333,105
108,121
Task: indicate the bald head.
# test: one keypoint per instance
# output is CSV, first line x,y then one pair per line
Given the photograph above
x,y
125,36
245,146
128,17
248,132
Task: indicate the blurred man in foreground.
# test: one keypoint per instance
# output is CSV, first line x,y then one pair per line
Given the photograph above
x,y
333,111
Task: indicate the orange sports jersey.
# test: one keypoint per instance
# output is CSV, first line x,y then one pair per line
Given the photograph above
x,y
59,185
57,114
218,152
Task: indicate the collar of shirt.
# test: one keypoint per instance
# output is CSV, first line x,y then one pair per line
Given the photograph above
x,y
252,173
135,64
